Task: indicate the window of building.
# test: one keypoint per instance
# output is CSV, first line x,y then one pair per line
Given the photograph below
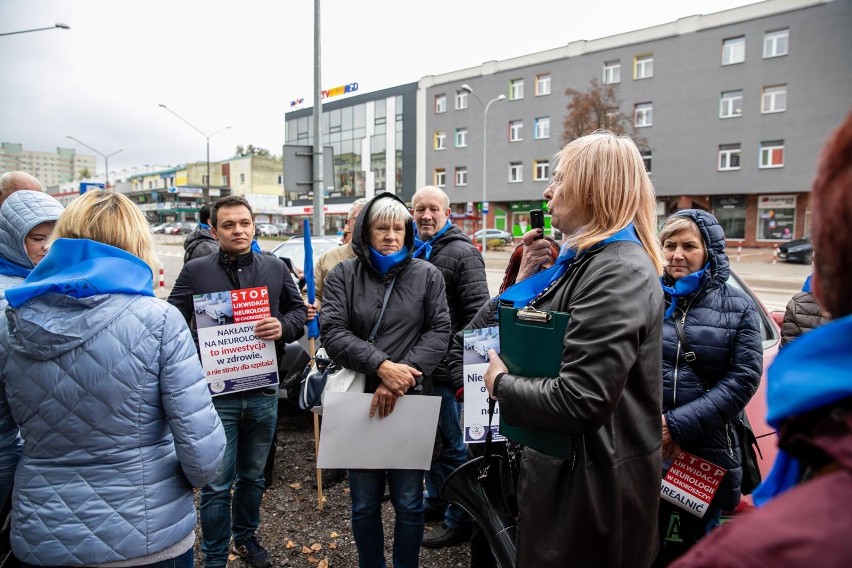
x,y
611,72
541,170
729,157
643,66
730,211
439,177
440,104
461,99
204,179
225,180
775,44
773,99
516,172
776,217
461,177
771,154
515,130
461,137
242,178
733,50
542,127
542,84
646,159
516,89
440,138
643,115
731,104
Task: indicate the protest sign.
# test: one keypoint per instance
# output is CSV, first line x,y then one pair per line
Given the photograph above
x,y
233,357
691,483
477,342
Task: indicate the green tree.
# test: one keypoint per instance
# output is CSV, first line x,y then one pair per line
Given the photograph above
x,y
84,173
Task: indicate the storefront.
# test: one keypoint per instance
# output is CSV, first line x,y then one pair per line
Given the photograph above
x,y
776,217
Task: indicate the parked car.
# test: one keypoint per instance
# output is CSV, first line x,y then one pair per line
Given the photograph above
x,y
801,250
159,227
175,229
494,234
268,230
165,229
188,227
283,228
294,250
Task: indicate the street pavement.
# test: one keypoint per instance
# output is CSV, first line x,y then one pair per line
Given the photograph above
x,y
774,283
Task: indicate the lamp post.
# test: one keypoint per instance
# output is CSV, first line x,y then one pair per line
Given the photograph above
x,y
104,156
485,108
208,137
53,27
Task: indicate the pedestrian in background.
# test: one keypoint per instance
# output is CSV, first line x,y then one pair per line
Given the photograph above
x,y
105,384
200,242
600,507
712,363
803,314
809,393
10,182
461,264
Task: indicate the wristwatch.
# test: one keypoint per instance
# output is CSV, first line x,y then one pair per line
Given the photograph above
x,y
496,386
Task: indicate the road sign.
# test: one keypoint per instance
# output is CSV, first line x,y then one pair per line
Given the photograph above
x,y
485,208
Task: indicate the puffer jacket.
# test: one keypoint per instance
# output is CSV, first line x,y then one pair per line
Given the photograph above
x,y
198,243
415,329
702,399
803,314
20,213
119,427
463,269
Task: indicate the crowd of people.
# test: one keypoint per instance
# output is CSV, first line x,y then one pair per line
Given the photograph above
x,y
107,423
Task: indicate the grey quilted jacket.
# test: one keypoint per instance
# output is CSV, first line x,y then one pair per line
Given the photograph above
x,y
118,425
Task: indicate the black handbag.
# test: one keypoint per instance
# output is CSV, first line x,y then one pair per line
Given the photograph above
x,y
748,446
7,559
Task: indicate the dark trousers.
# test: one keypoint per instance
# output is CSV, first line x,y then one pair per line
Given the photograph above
x,y
679,530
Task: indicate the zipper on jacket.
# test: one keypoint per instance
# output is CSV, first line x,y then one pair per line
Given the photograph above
x,y
728,438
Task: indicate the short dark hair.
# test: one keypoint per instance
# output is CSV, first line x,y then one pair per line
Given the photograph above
x,y
229,201
204,213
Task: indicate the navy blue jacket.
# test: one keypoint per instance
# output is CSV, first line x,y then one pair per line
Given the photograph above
x,y
702,399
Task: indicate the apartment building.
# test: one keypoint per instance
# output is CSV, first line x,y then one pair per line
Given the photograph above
x,y
51,168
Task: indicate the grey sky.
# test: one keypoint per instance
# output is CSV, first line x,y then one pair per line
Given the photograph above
x,y
222,63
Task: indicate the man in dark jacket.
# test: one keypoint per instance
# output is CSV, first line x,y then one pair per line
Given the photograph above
x,y
451,251
249,417
200,242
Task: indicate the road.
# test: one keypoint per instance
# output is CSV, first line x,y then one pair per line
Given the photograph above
x,y
773,283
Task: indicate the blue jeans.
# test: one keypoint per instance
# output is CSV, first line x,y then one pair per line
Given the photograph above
x,y
367,487
185,560
249,420
453,455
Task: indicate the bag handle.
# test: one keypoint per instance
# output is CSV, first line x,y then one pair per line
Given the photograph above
x,y
688,354
382,313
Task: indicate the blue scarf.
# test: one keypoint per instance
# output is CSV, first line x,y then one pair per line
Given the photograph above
x,y
9,268
522,293
204,226
808,285
255,247
81,268
809,373
384,263
426,247
683,287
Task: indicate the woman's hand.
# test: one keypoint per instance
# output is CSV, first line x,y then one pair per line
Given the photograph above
x,y
670,447
397,377
495,367
384,401
536,254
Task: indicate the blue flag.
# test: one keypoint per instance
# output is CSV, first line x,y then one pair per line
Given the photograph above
x,y
310,285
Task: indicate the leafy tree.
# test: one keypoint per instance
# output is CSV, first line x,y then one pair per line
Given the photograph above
x,y
252,150
84,173
598,107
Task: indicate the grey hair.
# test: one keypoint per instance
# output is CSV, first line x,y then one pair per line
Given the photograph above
x,y
388,210
675,224
432,189
357,205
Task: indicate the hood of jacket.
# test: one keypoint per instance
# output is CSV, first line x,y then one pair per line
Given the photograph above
x,y
361,236
19,214
450,235
714,241
200,233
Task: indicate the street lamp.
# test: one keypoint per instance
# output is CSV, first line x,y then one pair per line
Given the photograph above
x,y
485,107
53,27
104,156
208,137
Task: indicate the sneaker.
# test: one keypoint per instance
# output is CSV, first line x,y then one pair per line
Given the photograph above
x,y
253,553
442,536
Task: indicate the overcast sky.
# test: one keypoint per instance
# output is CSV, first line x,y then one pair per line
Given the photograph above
x,y
239,63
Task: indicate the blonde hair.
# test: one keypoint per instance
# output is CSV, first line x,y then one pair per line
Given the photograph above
x,y
606,174
676,224
109,218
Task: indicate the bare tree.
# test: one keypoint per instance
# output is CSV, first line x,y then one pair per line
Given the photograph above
x,y
596,108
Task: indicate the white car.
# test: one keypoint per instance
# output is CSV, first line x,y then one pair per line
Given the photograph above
x,y
268,230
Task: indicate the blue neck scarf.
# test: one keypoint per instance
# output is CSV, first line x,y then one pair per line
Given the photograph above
x,y
384,263
808,285
255,247
204,226
81,268
426,247
9,268
810,373
683,287
522,293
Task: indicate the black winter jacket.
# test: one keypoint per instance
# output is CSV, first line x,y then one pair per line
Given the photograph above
x,y
702,399
415,329
198,243
463,269
214,273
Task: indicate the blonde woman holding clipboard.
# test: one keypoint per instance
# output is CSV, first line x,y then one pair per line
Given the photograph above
x,y
598,505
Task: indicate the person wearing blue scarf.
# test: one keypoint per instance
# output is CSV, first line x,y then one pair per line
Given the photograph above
x,y
423,249
803,516
200,242
802,314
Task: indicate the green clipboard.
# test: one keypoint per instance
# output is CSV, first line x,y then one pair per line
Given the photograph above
x,y
531,346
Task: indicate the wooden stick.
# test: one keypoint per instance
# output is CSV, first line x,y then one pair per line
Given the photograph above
x,y
312,348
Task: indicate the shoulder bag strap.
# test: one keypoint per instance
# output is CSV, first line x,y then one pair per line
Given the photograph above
x,y
382,313
688,354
